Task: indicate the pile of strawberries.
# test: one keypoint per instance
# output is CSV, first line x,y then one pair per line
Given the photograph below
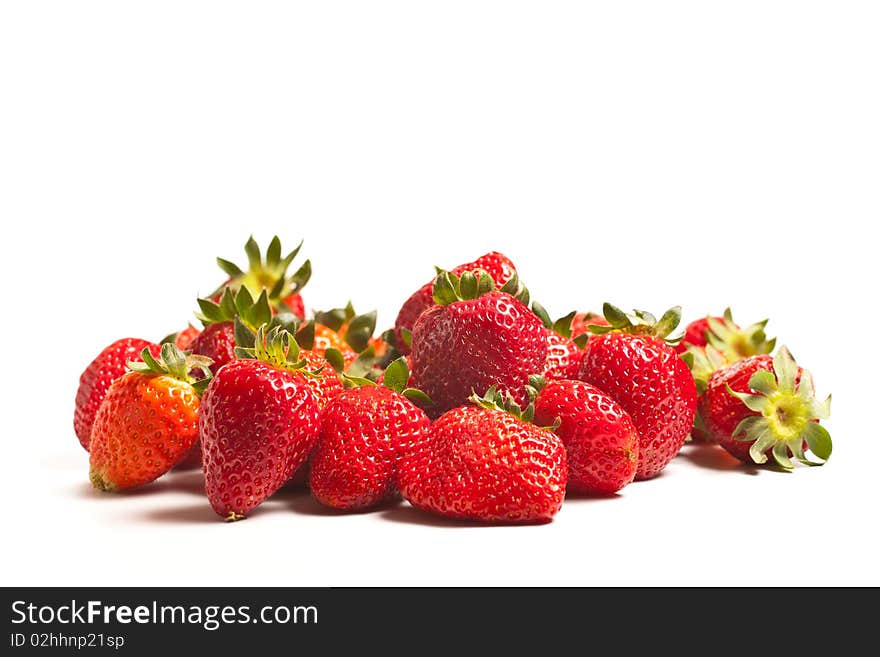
x,y
476,405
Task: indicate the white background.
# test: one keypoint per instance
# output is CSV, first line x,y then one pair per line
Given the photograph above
x,y
646,153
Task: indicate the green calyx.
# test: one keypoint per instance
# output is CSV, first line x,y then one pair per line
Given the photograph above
x,y
703,363
736,343
175,363
397,379
562,326
449,288
639,322
236,303
358,328
497,401
267,272
273,345
788,415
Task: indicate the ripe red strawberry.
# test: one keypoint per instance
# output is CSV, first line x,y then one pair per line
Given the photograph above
x,y
483,463
322,378
475,338
714,342
268,274
95,380
727,337
148,420
703,362
563,353
762,407
183,339
259,420
498,266
581,322
600,439
363,433
217,341
631,363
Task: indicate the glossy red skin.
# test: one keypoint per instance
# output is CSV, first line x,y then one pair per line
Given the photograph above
x,y
499,266
695,334
469,346
649,380
193,459
485,465
145,425
722,412
601,441
363,433
185,338
563,357
95,380
326,383
217,342
581,321
296,305
257,425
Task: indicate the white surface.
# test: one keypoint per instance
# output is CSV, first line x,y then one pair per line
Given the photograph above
x,y
645,153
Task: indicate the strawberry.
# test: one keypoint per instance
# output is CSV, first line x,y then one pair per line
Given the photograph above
x,y
364,431
95,380
498,266
563,353
268,274
217,341
727,337
488,463
182,339
581,322
345,335
714,342
630,361
601,442
258,422
703,362
474,338
765,407
148,420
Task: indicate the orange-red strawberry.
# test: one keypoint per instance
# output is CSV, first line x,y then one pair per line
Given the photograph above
x,y
95,380
498,266
217,341
268,274
600,438
633,364
765,407
345,335
364,431
474,338
483,463
259,420
148,420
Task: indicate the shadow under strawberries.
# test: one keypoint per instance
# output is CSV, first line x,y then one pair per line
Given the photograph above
x,y
713,457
